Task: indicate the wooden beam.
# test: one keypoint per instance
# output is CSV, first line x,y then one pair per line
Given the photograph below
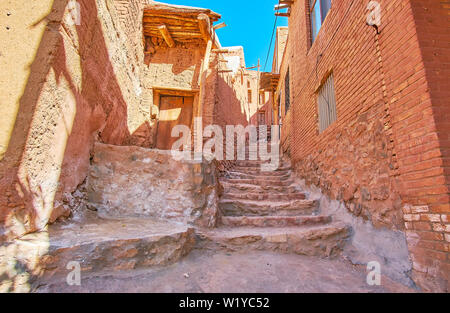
x,y
282,14
205,26
166,35
219,26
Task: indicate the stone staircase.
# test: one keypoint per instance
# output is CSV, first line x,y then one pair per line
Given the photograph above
x,y
266,211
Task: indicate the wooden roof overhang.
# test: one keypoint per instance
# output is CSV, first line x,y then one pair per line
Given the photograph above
x,y
175,23
269,81
284,4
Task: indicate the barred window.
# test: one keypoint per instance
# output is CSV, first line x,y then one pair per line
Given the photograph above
x,y
327,104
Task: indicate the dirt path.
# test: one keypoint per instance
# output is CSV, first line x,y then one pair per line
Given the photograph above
x,y
253,272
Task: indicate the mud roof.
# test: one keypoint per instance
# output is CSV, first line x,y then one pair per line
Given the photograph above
x,y
177,23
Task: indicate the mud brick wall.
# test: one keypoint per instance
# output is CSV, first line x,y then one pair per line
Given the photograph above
x,y
79,87
128,18
386,156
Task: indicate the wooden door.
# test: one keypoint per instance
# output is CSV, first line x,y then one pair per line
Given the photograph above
x,y
173,110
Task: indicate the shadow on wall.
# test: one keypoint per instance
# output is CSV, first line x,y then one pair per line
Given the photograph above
x,y
72,98
230,108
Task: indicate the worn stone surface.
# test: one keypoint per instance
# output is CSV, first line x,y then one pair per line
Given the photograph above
x,y
322,241
133,182
264,208
273,221
97,244
248,272
354,167
266,211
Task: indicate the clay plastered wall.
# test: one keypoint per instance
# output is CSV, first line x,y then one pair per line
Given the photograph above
x,y
129,15
227,101
136,182
16,56
252,79
76,89
231,108
232,104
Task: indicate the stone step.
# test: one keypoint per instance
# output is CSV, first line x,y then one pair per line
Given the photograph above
x,y
99,244
273,221
323,240
242,167
239,188
240,175
264,196
264,208
259,182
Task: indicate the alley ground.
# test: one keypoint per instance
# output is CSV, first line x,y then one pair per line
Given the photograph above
x,y
221,272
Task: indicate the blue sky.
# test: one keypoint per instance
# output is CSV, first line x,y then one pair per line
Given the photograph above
x,y
250,24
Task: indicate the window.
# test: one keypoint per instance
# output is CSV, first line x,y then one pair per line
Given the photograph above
x,y
287,93
318,11
249,96
327,104
262,98
248,84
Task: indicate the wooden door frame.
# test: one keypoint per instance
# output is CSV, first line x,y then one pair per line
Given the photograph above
x,y
159,92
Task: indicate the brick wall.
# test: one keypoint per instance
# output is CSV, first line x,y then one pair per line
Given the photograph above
x,y
388,149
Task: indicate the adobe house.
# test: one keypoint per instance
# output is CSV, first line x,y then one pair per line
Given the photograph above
x,y
361,89
178,47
